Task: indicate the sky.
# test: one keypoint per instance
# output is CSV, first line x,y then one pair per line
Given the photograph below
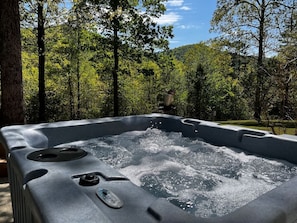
x,y
190,19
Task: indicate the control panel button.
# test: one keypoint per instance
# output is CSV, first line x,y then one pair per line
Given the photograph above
x,y
88,180
109,198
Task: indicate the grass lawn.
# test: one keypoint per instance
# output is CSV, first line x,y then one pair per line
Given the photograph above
x,y
280,126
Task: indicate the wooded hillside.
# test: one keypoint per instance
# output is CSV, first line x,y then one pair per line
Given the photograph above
x,y
210,83
99,58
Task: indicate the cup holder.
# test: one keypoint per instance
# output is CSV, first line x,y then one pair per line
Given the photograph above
x,y
57,154
43,156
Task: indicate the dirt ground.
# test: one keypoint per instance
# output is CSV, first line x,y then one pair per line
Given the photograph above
x,y
5,202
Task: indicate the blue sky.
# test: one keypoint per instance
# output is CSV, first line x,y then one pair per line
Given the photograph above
x,y
191,20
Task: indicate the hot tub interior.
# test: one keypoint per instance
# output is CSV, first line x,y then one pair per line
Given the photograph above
x,y
200,178
137,167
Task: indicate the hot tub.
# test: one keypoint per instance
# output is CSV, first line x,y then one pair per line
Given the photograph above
x,y
63,184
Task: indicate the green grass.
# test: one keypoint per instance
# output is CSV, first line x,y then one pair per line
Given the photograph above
x,y
280,126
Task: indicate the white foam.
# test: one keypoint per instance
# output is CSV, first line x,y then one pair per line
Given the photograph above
x,y
202,179
148,165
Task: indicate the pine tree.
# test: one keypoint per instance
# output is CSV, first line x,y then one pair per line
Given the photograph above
x,y
130,30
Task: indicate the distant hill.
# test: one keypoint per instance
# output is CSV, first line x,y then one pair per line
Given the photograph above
x,y
180,52
237,60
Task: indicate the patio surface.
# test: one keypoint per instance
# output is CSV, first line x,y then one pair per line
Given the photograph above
x,y
5,202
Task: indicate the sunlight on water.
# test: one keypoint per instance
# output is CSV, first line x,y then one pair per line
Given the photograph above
x,y
200,178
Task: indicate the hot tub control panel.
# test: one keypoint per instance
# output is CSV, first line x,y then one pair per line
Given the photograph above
x,y
109,198
89,179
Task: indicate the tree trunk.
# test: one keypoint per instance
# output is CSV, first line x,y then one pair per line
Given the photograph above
x,y
41,64
71,97
115,81
115,4
259,77
285,105
78,32
12,106
78,86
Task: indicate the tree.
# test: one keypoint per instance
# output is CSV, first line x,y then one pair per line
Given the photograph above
x,y
287,57
197,100
78,21
256,23
38,12
41,57
12,109
130,30
213,89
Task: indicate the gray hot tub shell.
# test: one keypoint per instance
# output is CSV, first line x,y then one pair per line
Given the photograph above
x,y
50,190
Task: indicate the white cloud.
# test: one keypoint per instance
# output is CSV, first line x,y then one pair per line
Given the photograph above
x,y
172,16
188,27
185,8
175,2
168,19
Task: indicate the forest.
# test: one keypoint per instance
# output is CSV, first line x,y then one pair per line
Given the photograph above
x,y
95,58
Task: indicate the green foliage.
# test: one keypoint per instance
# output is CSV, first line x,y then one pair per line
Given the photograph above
x,y
129,30
140,83
257,24
207,85
212,81
213,88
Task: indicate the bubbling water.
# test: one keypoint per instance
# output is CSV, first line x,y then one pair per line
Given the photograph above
x,y
202,179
